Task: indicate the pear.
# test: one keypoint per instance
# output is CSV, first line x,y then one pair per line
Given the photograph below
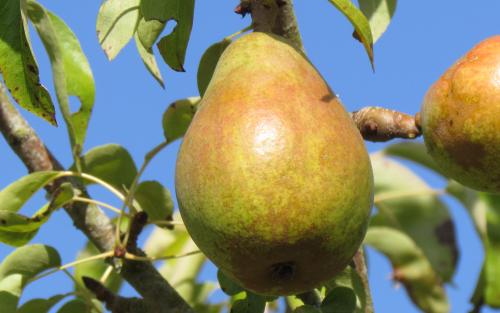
x,y
460,118
273,180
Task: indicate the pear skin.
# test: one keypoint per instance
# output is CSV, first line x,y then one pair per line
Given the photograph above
x,y
273,179
460,118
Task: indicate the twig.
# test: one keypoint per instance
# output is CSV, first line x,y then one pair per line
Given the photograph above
x,y
379,124
143,276
360,267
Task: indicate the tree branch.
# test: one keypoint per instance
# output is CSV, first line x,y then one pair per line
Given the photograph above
x,y
273,16
379,124
143,276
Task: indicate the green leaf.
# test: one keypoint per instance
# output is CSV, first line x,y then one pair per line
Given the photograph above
x,y
359,22
227,285
379,14
149,61
16,239
173,46
18,66
94,270
71,71
155,200
40,305
307,309
251,304
111,163
10,291
350,278
29,261
15,195
178,116
485,211
74,306
116,24
411,268
339,300
149,31
14,222
406,203
413,151
208,62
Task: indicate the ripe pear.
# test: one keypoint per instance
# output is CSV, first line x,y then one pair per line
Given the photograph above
x,y
273,179
460,118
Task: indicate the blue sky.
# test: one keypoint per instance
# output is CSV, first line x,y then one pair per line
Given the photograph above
x,y
424,39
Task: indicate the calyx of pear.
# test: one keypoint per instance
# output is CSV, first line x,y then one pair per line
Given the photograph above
x,y
460,118
273,179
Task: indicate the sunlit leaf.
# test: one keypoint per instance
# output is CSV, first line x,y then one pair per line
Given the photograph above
x,y
406,203
149,31
173,46
10,291
359,22
18,66
95,270
208,62
29,261
116,24
70,69
111,163
155,200
411,268
178,116
149,61
379,14
15,195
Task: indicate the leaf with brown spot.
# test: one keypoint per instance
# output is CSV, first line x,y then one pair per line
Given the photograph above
x,y
18,65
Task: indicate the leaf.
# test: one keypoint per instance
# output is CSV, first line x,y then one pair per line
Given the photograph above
x,y
485,211
155,200
413,151
149,31
16,239
14,222
359,22
29,261
149,61
95,270
339,300
411,268
307,309
423,217
111,163
178,116
350,278
116,24
74,306
251,304
10,291
208,62
228,285
379,14
71,71
40,305
15,195
173,46
18,66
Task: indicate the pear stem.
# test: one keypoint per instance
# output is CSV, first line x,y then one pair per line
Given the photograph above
x,y
273,16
